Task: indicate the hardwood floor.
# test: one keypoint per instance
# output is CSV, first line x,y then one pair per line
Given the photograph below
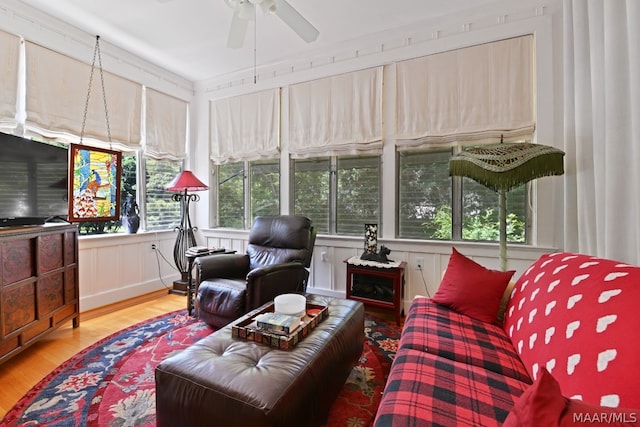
x,y
20,373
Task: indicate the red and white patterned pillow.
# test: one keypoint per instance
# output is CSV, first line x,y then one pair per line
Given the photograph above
x,y
579,316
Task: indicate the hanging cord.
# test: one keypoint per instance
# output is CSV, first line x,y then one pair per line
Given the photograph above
x,y
96,54
255,43
424,281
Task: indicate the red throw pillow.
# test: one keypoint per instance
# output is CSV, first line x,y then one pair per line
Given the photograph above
x,y
540,405
471,289
543,404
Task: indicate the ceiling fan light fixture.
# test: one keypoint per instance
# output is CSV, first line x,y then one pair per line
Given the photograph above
x,y
268,6
246,10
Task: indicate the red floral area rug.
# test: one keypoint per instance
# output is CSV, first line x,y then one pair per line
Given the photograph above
x,y
112,382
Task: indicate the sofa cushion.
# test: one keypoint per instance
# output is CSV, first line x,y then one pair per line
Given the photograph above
x,y
472,289
576,315
543,404
444,332
425,389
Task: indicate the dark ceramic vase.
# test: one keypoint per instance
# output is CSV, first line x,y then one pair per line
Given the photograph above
x,y
131,223
130,217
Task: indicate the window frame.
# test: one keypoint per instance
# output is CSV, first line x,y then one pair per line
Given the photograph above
x,y
247,201
457,202
333,204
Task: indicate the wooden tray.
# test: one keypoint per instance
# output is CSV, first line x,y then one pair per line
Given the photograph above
x,y
247,329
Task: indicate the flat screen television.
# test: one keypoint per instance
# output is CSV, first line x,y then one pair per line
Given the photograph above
x,y
33,181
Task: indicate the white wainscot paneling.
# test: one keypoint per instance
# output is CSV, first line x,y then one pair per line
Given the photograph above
x,y
114,268
329,272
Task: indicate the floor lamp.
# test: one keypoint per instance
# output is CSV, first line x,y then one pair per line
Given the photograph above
x,y
181,185
504,166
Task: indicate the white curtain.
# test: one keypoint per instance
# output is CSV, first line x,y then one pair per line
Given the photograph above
x,y
471,95
602,128
337,115
166,126
245,127
9,46
57,92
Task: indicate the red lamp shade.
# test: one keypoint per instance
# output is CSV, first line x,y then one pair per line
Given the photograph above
x,y
186,180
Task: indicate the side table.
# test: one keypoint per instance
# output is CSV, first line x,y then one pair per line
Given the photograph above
x,y
376,284
191,257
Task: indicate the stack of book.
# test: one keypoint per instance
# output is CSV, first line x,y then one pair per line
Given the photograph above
x,y
281,324
202,250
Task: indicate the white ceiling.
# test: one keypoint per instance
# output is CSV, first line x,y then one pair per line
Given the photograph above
x,y
189,37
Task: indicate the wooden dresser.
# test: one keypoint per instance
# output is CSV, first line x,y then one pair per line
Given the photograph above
x,y
38,283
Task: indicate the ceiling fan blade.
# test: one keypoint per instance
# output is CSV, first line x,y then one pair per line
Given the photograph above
x,y
297,22
237,31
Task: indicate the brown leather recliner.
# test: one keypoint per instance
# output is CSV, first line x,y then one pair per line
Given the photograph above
x,y
276,261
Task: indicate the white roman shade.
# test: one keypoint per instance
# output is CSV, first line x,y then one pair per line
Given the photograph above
x,y
337,115
9,46
471,95
57,92
245,127
166,126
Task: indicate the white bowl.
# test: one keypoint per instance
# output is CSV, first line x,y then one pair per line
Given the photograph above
x,y
291,304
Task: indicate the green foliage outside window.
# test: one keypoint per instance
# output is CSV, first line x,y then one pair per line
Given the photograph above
x,y
263,183
481,227
424,195
265,188
427,198
311,191
358,194
231,195
161,212
341,205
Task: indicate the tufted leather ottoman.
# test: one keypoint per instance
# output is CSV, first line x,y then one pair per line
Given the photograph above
x,y
225,381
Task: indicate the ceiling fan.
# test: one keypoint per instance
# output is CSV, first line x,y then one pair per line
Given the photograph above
x,y
244,11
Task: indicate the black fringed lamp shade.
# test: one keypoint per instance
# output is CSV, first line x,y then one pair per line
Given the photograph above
x,y
181,185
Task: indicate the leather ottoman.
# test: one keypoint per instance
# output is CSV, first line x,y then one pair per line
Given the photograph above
x,y
226,381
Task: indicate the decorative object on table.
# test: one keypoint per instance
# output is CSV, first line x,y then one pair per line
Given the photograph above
x,y
250,330
290,304
371,238
504,166
94,173
380,257
182,184
130,215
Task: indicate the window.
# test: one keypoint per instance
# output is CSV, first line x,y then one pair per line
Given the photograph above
x,y
231,195
424,195
264,181
263,197
358,195
340,202
311,191
162,213
429,201
480,213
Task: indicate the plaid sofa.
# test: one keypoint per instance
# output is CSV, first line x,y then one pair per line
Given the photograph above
x,y
568,313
